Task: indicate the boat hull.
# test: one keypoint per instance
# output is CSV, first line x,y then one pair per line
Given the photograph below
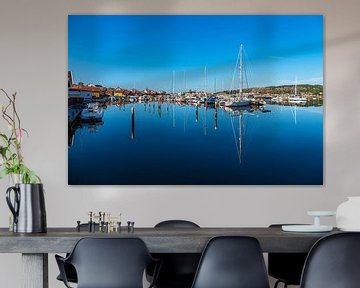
x,y
91,116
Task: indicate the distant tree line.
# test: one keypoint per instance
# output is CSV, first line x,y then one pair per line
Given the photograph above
x,y
288,89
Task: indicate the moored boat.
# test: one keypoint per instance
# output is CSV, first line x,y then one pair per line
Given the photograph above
x,y
211,100
296,99
239,100
257,102
92,113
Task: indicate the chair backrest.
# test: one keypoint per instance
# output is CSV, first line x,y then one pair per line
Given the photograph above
x,y
177,268
232,262
110,262
333,262
286,266
176,224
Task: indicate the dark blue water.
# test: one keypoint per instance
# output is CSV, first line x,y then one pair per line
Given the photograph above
x,y
172,144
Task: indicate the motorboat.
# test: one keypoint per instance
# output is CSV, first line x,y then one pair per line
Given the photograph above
x,y
92,113
296,99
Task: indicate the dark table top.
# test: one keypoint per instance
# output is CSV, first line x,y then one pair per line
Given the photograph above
x,y
158,240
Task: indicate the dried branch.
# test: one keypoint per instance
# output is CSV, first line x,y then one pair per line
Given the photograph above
x,y
12,159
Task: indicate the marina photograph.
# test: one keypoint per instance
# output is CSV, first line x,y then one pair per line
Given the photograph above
x,y
195,100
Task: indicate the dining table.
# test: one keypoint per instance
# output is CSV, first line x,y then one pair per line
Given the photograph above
x,y
35,247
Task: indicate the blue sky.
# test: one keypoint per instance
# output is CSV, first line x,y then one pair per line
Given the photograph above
x,y
119,50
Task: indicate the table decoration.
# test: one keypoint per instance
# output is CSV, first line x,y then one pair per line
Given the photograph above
x,y
316,227
25,197
348,214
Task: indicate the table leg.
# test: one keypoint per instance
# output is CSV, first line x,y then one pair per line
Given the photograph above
x,y
35,270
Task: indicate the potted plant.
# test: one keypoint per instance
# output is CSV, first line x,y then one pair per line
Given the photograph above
x,y
26,197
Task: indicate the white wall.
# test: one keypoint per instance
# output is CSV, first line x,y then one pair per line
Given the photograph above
x,y
33,62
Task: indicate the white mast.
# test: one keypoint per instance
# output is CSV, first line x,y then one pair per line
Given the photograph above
x,y
241,71
295,85
184,80
205,78
173,83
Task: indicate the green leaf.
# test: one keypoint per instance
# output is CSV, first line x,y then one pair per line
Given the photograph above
x,y
33,178
4,173
3,151
4,137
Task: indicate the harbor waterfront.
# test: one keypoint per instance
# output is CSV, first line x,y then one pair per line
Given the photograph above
x,y
195,100
172,143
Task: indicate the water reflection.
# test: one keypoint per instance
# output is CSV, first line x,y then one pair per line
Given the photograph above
x,y
132,123
281,143
91,127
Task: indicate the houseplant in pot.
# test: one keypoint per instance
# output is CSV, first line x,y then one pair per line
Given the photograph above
x,y
26,197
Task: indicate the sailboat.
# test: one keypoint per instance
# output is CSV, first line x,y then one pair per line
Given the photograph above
x,y
296,99
240,100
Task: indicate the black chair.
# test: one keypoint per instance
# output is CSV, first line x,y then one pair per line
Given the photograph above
x,y
178,269
176,224
333,262
70,271
286,267
108,263
232,262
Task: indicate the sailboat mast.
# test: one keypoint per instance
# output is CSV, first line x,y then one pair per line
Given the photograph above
x,y
173,83
241,71
295,86
205,71
184,81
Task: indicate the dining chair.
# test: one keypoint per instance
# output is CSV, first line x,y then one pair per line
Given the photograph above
x,y
232,262
108,263
70,271
286,267
178,269
333,262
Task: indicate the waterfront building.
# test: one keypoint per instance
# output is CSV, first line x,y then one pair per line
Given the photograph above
x,y
109,92
95,91
119,92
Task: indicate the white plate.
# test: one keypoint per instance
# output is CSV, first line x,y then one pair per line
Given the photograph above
x,y
306,228
350,229
321,213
